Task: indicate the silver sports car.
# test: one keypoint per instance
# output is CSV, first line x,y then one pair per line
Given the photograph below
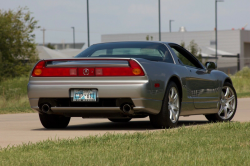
x,y
125,80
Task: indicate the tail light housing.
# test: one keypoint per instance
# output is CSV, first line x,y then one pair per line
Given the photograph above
x,y
40,70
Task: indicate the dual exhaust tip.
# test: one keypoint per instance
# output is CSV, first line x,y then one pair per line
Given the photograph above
x,y
126,108
46,108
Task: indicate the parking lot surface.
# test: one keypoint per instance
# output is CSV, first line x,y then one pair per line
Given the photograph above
x,y
16,129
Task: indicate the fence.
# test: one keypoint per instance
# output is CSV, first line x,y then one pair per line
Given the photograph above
x,y
229,64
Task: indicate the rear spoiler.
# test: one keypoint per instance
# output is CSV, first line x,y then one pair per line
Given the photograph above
x,y
87,67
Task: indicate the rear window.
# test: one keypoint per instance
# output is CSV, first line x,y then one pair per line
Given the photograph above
x,y
146,50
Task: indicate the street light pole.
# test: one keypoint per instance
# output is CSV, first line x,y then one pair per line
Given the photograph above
x,y
216,37
73,36
43,35
216,46
159,8
88,20
170,25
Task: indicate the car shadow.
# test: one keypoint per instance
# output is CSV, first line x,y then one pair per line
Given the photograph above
x,y
132,126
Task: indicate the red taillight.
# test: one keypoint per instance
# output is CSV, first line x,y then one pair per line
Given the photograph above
x,y
59,72
114,71
37,71
136,68
41,70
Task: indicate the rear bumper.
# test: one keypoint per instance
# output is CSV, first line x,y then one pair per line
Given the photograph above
x,y
138,90
142,106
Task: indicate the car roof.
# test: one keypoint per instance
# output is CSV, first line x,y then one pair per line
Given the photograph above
x,y
136,42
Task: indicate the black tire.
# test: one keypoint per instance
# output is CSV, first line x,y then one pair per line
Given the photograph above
x,y
120,120
216,117
54,121
162,120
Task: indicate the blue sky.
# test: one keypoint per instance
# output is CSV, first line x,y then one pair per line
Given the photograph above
x,y
129,16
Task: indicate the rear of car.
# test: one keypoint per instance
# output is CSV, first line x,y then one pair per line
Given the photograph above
x,y
88,87
106,80
125,80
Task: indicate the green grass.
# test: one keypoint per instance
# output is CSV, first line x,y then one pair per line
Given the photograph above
x,y
211,144
241,82
243,95
13,96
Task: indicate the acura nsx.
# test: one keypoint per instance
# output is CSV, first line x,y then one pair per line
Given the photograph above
x,y
125,80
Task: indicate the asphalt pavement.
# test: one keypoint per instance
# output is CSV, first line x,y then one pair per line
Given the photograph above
x,y
16,129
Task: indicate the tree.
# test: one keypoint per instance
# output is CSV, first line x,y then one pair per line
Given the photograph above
x,y
17,42
194,49
147,37
50,46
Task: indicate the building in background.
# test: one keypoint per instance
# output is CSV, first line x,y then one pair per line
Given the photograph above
x,y
230,42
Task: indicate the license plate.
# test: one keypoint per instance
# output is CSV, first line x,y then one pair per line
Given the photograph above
x,y
83,95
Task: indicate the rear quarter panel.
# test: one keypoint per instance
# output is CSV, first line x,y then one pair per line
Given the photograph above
x,y
162,72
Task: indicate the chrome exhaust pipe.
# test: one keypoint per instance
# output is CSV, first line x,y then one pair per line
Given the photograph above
x,y
46,108
126,108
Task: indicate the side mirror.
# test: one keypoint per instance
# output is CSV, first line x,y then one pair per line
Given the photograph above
x,y
210,66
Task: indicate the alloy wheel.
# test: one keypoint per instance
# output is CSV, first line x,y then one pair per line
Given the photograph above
x,y
227,103
173,104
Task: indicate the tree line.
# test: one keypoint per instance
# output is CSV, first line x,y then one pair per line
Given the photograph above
x,y
17,42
